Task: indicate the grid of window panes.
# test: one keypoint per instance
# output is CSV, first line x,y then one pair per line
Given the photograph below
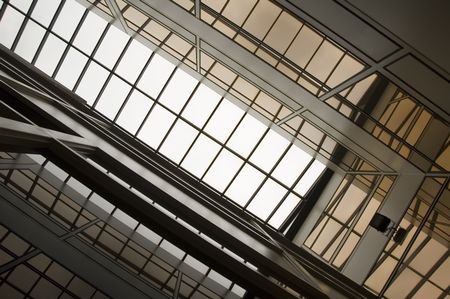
x,y
37,275
288,44
346,217
424,270
399,121
116,234
217,140
228,79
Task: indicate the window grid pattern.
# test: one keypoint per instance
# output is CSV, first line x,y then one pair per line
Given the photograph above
x,y
101,77
37,276
424,270
344,220
402,125
155,260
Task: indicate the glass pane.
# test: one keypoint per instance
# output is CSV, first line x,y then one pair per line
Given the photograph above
x,y
304,46
223,170
267,199
92,82
111,47
112,97
30,40
44,11
283,32
133,61
284,210
178,90
201,155
269,150
309,178
9,26
245,184
247,134
179,140
292,165
134,111
68,19
71,68
89,33
156,126
22,5
262,18
201,105
224,120
50,54
324,60
156,75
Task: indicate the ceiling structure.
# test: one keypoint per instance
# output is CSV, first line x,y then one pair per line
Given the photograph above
x,y
306,120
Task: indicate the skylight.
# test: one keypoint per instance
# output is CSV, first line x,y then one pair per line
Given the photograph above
x,y
219,141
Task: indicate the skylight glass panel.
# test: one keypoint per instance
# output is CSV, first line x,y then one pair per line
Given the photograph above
x,y
284,210
156,126
324,61
71,68
178,142
269,150
111,47
50,54
267,199
222,170
292,165
304,46
200,155
134,111
247,135
178,90
133,61
92,82
224,120
201,105
30,40
156,75
68,19
309,178
22,5
245,184
89,33
113,97
9,26
44,11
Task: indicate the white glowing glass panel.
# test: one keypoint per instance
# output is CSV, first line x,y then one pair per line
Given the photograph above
x,y
133,61
219,279
156,126
169,247
9,26
113,97
197,265
30,40
50,54
292,165
44,10
71,68
22,5
267,199
247,135
155,75
284,210
92,82
224,120
269,150
245,184
177,143
201,105
309,178
200,155
134,111
111,47
68,19
222,170
89,33
178,90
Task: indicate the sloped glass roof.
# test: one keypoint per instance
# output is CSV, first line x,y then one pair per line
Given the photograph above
x,y
187,119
